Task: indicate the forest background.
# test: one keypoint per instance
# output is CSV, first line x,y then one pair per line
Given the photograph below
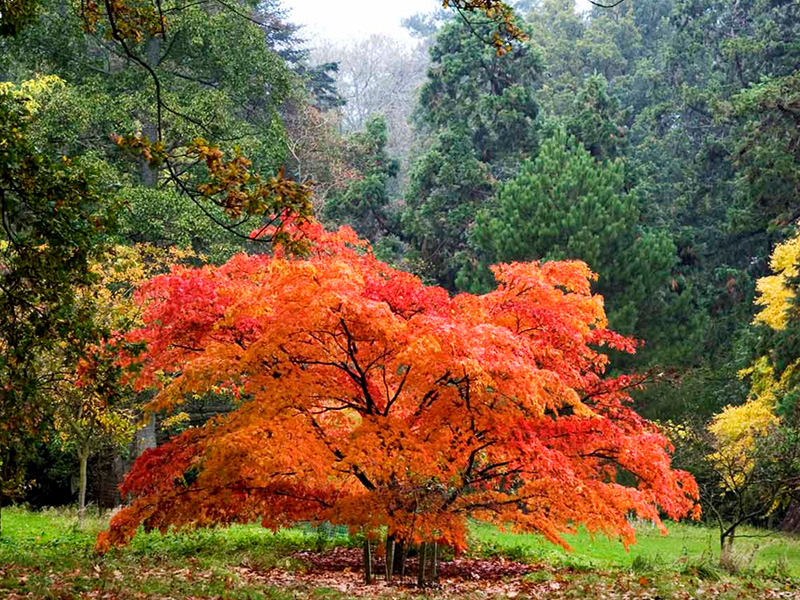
x,y
658,141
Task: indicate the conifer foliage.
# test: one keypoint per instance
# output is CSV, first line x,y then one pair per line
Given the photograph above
x,y
369,399
566,204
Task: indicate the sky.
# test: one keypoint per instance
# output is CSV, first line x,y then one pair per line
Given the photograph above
x,y
343,20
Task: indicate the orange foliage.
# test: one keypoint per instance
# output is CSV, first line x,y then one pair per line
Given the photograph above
x,y
369,399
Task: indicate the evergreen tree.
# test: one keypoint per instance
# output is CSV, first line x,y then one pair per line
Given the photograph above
x,y
766,150
365,203
597,120
479,111
447,186
567,205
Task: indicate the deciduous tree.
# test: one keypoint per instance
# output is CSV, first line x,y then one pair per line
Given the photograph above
x,y
192,88
378,76
747,458
369,399
91,405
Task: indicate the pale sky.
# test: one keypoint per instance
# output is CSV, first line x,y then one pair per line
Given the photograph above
x,y
342,20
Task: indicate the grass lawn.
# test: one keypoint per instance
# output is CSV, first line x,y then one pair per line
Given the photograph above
x,y
49,555
685,544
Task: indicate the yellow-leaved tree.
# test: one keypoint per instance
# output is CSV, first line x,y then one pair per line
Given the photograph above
x,y
93,412
775,291
753,448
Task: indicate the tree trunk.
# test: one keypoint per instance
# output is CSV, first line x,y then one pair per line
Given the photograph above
x,y
83,459
726,540
435,565
400,553
150,128
390,545
423,552
791,522
368,578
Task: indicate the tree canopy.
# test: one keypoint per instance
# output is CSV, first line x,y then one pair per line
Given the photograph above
x,y
370,399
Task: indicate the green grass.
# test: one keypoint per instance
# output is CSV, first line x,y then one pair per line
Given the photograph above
x,y
50,554
45,553
57,535
685,545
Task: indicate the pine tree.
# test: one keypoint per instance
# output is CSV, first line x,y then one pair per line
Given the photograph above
x,y
480,113
566,205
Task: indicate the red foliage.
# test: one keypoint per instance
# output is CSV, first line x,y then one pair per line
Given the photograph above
x,y
370,399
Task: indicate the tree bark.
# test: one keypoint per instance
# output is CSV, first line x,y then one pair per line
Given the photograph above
x,y
423,555
390,546
83,459
400,553
435,564
150,128
368,578
726,540
791,522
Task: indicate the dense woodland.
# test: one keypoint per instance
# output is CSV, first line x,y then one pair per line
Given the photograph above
x,y
658,141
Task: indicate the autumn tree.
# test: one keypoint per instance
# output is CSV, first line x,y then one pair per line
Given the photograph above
x,y
93,407
746,460
369,399
756,459
747,457
87,422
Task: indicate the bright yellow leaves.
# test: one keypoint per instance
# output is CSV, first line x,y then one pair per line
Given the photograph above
x,y
736,431
120,273
31,91
776,295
